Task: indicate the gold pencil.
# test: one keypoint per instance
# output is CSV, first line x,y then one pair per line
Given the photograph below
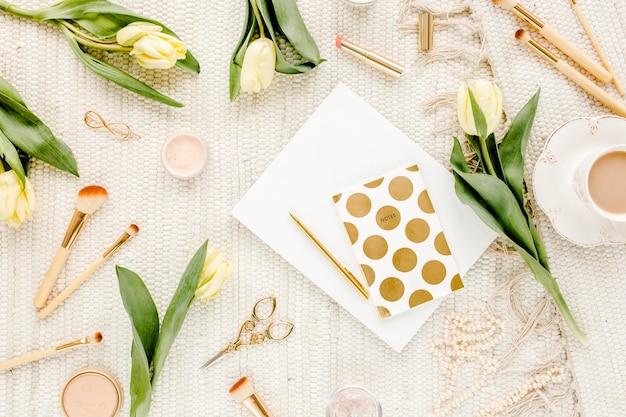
x,y
344,271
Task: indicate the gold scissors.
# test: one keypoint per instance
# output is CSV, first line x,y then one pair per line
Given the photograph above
x,y
262,311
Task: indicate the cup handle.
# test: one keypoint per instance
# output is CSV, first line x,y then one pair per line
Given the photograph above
x,y
620,227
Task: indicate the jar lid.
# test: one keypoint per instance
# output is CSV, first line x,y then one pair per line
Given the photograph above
x,y
91,393
184,155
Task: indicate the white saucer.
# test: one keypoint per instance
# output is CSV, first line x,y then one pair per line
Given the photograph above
x,y
553,178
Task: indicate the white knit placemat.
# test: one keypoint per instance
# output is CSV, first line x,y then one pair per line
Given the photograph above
x,y
328,348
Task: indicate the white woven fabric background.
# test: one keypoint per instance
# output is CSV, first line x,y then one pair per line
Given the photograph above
x,y
328,348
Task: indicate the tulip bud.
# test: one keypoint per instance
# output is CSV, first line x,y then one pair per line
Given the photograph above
x,y
215,273
130,34
257,70
17,201
488,97
158,50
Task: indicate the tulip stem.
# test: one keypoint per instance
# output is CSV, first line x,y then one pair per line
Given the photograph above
x,y
14,10
255,10
103,46
486,157
92,42
82,34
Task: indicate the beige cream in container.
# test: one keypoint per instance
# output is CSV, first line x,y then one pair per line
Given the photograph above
x,y
184,155
91,393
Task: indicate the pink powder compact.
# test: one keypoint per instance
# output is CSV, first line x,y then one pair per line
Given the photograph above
x,y
91,393
184,155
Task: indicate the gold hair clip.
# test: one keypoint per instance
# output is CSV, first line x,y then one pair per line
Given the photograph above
x,y
118,130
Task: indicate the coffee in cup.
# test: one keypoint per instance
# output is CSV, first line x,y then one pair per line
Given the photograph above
x,y
600,181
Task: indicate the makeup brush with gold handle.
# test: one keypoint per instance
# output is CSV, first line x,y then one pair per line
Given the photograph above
x,y
596,45
556,39
130,232
570,72
89,200
35,356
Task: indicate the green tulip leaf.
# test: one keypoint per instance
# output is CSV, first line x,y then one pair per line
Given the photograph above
x,y
140,388
10,91
492,194
494,157
291,25
282,65
542,255
479,117
468,196
144,319
236,60
116,75
512,149
140,308
11,157
234,80
177,310
28,133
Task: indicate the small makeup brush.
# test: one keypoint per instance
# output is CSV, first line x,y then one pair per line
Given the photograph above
x,y
556,39
570,72
35,356
132,230
243,393
596,46
89,200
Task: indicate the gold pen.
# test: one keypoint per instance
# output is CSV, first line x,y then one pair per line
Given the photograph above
x,y
344,271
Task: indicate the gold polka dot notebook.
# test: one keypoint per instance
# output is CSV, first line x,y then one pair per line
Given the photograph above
x,y
398,241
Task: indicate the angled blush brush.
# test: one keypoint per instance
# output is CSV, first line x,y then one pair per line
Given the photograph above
x,y
35,356
89,200
125,237
243,392
556,39
570,72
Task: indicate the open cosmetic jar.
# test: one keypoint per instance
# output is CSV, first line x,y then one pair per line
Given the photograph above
x,y
353,401
184,155
91,392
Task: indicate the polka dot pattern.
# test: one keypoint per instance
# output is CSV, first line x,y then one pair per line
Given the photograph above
x,y
353,232
419,297
368,272
392,289
374,183
441,244
359,205
398,241
375,247
388,217
424,203
417,230
434,272
404,259
400,188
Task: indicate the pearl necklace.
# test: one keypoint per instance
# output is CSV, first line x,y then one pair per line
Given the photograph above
x,y
535,383
466,338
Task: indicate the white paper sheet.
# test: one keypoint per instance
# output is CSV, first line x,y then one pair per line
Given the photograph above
x,y
344,142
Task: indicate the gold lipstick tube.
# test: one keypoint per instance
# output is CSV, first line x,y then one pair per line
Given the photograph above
x,y
373,59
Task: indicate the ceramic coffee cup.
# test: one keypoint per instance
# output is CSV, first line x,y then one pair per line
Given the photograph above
x,y
600,182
